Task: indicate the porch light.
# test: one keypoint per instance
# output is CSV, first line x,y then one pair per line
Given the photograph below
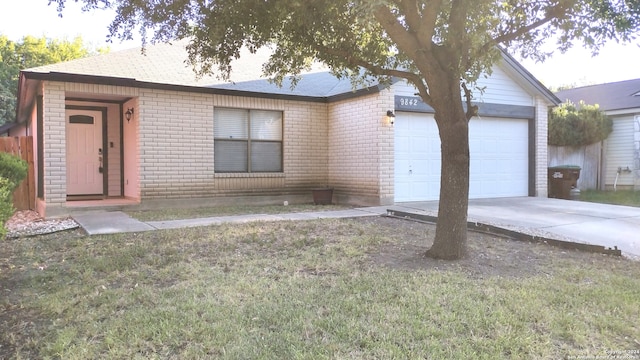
x,y
128,114
391,117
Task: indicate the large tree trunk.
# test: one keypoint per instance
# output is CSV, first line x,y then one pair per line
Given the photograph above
x,y
451,230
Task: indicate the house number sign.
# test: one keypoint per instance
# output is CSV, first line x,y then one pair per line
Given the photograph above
x,y
411,103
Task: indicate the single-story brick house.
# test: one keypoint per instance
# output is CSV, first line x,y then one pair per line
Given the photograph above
x,y
127,129
621,153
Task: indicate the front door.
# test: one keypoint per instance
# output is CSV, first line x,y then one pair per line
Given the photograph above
x,y
85,155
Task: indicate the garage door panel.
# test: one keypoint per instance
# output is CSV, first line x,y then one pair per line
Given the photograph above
x,y
403,145
499,157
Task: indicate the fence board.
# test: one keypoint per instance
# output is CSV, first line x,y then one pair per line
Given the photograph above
x,y
24,196
587,157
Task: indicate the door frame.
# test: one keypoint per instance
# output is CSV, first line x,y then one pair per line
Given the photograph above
x,y
105,150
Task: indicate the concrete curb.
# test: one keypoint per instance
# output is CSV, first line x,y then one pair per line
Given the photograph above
x,y
496,230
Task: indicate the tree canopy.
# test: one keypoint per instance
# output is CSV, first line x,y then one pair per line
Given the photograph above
x,y
349,34
439,46
26,53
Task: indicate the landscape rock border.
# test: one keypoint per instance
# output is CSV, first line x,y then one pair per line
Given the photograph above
x,y
26,223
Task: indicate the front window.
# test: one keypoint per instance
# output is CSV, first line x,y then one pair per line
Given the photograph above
x,y
247,141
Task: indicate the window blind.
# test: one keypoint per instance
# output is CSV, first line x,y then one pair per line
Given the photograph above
x,y
231,124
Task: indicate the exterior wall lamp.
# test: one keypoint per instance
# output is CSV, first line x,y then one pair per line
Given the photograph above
x,y
128,114
391,117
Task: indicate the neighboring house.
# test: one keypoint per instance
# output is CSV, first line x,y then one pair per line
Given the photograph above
x,y
126,129
621,153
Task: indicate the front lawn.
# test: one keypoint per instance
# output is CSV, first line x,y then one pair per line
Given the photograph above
x,y
322,289
620,197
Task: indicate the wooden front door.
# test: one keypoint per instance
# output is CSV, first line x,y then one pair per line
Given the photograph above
x,y
85,167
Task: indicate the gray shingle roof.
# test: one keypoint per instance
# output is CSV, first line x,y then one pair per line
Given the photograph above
x,y
165,64
611,96
161,63
319,84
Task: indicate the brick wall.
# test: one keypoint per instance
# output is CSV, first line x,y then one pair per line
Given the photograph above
x,y
55,167
176,146
541,125
306,157
131,150
361,149
636,152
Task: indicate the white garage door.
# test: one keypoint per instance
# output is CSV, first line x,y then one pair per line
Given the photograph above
x,y
499,157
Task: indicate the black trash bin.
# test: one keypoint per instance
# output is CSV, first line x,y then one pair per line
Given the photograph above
x,y
562,179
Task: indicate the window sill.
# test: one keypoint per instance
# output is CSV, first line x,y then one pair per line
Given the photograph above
x,y
248,175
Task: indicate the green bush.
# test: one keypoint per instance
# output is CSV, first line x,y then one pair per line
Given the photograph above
x,y
577,126
12,171
6,204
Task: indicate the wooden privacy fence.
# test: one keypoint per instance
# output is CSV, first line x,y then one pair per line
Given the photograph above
x,y
24,198
587,157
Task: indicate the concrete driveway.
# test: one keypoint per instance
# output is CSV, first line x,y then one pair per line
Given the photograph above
x,y
592,223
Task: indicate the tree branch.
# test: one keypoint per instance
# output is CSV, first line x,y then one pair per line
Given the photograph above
x,y
472,110
406,41
423,26
353,60
552,13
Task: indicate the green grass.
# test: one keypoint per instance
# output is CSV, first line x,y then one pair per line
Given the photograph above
x,y
304,290
224,210
620,197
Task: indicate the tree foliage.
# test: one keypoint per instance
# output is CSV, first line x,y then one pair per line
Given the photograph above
x,y
576,126
27,53
12,171
439,46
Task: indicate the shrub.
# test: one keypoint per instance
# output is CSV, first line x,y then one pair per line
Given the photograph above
x,y
577,126
13,168
12,171
6,204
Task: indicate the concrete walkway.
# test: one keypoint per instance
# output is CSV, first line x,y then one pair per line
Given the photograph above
x,y
592,223
112,222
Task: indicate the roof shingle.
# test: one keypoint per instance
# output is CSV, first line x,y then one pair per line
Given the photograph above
x,y
161,63
610,96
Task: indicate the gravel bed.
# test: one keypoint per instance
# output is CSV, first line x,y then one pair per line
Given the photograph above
x,y
29,223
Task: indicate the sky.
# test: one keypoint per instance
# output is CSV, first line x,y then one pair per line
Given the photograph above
x,y
615,62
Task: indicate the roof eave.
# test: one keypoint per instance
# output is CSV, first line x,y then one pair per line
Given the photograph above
x,y
24,100
130,82
623,111
529,78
